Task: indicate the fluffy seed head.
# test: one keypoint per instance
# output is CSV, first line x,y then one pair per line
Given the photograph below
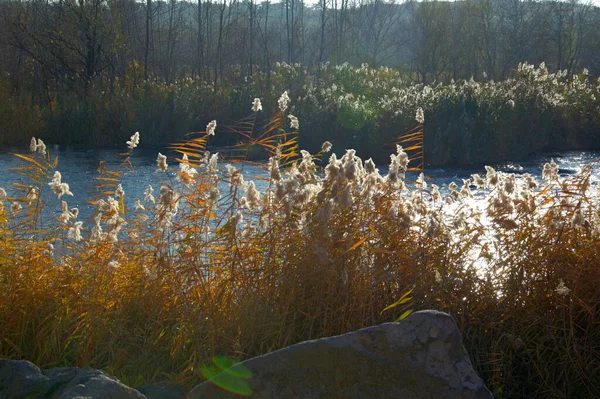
x,y
161,163
256,105
58,186
33,145
74,232
210,128
420,116
133,141
283,101
294,123
562,289
41,147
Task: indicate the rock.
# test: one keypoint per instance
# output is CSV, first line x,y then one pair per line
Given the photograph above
x,y
22,379
164,390
419,357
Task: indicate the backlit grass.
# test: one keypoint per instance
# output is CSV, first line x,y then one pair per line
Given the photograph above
x,y
207,265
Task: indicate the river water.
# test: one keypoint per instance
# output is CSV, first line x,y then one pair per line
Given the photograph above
x,y
79,168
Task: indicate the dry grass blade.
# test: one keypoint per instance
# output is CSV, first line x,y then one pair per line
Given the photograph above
x,y
413,143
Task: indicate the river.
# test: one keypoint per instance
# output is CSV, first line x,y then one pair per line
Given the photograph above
x,y
79,168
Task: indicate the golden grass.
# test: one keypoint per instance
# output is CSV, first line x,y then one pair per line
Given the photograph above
x,y
321,252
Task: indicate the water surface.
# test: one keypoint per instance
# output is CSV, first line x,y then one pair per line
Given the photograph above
x,y
79,168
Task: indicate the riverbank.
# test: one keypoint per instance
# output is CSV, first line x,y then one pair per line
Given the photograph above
x,y
467,122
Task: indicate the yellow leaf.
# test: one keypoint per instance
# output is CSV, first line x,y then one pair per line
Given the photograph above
x,y
358,244
29,159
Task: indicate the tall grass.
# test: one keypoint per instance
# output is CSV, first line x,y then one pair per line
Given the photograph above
x,y
468,121
206,264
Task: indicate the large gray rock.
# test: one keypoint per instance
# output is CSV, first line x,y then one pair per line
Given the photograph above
x,y
419,357
22,379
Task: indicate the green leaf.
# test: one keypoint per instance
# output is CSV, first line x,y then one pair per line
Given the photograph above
x,y
403,299
404,315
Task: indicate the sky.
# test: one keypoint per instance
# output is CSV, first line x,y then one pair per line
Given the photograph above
x,y
313,2
594,2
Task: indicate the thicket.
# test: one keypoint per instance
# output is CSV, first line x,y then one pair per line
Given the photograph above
x,y
205,264
362,108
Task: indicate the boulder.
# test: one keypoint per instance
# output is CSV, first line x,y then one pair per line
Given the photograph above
x,y
419,357
22,379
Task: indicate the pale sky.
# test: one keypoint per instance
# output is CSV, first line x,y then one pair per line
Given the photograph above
x,y
310,2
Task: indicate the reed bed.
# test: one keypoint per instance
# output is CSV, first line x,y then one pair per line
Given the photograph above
x,y
205,264
469,122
